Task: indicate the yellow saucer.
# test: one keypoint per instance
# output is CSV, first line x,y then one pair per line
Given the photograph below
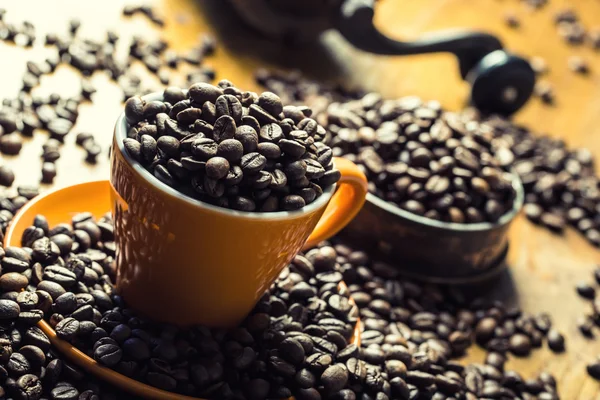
x,y
59,206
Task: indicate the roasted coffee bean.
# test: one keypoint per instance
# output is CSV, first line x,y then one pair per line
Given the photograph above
x,y
543,322
9,309
334,378
45,251
7,176
48,172
28,387
189,115
586,291
269,150
13,281
168,145
252,163
229,105
520,344
59,275
271,103
485,329
34,355
217,168
204,148
586,326
556,341
18,365
67,328
133,148
203,92
108,354
134,110
64,392
593,370
224,128
10,144
230,149
292,202
271,133
247,136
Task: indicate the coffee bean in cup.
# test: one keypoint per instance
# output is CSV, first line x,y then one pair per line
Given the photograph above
x,y
231,148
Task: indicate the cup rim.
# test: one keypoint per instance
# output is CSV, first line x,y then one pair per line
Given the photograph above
x,y
453,226
121,133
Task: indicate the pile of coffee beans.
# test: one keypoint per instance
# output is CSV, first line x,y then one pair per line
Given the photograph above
x,y
29,367
426,161
296,341
230,148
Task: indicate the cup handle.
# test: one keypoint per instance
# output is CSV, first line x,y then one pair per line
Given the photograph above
x,y
345,203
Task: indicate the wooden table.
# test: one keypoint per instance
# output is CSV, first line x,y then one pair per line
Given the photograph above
x,y
543,267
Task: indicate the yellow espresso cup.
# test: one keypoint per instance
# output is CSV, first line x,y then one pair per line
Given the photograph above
x,y
186,262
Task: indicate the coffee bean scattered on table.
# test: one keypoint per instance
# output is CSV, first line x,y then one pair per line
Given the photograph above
x,y
57,114
413,333
229,148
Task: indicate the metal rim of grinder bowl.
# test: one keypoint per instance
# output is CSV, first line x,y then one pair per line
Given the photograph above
x,y
431,250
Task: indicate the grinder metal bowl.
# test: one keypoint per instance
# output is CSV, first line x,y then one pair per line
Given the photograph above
x,y
431,250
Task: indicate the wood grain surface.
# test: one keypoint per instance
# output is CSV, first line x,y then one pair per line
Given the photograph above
x,y
544,267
